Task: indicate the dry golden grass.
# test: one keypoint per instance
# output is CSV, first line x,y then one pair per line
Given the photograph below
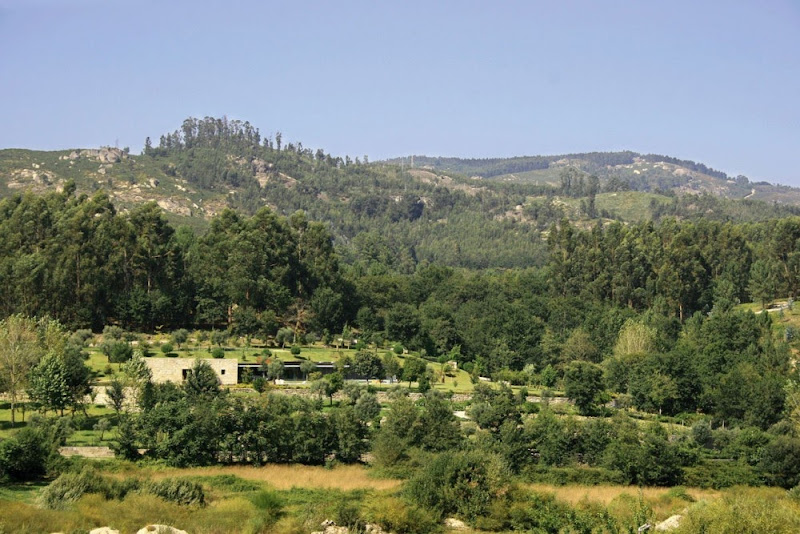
x,y
622,501
286,477
605,494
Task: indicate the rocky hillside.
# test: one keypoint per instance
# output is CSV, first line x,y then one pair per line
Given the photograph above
x,y
466,213
615,170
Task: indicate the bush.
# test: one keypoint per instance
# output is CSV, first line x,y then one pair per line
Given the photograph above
x,y
721,474
26,455
178,490
218,353
259,384
563,476
461,483
166,348
396,515
68,488
347,514
268,501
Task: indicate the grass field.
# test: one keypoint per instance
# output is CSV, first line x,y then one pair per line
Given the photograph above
x,y
287,477
295,499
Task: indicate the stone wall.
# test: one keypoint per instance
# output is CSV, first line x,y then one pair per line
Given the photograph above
x,y
173,369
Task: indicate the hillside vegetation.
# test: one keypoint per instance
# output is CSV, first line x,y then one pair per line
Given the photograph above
x,y
581,332
387,215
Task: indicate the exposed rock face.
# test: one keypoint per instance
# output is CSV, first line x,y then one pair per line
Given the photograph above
x,y
103,155
671,523
160,529
455,524
104,530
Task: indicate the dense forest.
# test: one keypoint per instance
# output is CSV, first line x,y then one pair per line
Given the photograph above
x,y
674,284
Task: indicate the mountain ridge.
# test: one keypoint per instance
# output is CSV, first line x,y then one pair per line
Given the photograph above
x,y
387,214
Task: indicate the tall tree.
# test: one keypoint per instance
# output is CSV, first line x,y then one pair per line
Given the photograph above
x,y
19,353
48,383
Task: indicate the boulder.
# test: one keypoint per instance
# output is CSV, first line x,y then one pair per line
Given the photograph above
x,y
455,524
104,530
671,523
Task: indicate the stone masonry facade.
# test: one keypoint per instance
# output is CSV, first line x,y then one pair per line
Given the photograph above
x,y
175,369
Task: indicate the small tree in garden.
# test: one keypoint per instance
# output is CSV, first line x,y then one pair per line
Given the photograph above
x,y
367,364
391,367
275,370
306,367
413,369
116,394
180,336
102,426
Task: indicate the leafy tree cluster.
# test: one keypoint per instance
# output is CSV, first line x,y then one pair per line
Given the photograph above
x,y
78,260
197,424
699,167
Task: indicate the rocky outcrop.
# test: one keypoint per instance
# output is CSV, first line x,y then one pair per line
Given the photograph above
x,y
103,155
671,523
329,527
455,524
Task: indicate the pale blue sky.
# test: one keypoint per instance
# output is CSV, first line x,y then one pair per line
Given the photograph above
x,y
713,81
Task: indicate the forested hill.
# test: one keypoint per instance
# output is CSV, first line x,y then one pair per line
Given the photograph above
x,y
388,216
615,170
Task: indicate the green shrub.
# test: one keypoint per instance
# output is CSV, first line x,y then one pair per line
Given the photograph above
x,y
26,455
119,489
459,483
721,474
396,515
218,353
562,476
68,488
295,350
259,384
679,492
178,490
268,501
348,514
536,512
230,483
166,348
269,505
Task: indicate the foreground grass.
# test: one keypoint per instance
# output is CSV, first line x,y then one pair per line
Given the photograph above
x,y
295,499
305,496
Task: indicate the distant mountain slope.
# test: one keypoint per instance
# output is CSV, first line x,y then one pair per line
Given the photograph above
x,y
638,172
388,215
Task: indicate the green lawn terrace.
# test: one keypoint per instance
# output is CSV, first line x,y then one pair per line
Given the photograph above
x,y
254,356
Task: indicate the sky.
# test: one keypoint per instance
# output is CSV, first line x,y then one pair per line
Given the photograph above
x,y
717,82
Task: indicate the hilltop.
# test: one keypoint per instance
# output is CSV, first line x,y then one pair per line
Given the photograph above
x,y
615,170
474,213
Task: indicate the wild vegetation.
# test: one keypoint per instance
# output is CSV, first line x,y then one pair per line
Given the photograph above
x,y
647,353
